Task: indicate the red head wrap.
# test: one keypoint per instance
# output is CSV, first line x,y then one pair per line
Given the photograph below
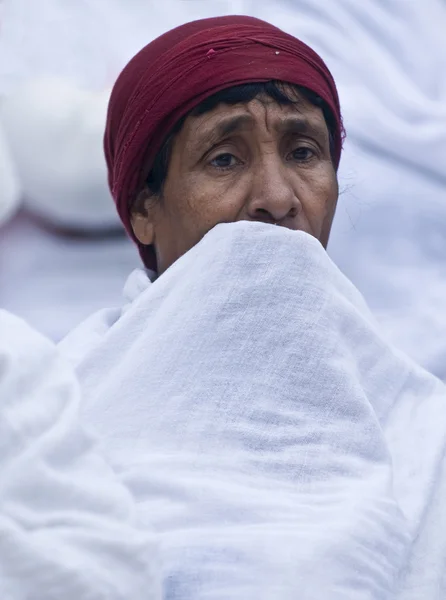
x,y
177,71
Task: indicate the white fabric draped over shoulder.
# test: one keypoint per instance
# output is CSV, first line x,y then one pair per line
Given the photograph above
x,y
277,443
68,527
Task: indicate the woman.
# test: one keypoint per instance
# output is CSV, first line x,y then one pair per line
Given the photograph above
x,y
277,444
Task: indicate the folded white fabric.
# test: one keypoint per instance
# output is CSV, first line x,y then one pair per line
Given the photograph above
x,y
67,526
278,444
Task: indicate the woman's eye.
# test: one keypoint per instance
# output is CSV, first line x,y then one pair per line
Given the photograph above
x,y
224,161
303,153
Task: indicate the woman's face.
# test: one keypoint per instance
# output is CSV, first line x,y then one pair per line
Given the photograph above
x,y
258,161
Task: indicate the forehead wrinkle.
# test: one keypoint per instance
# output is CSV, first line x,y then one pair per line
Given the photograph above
x,y
292,118
224,126
301,125
214,127
299,117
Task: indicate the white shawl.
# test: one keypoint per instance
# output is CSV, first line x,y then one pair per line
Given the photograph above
x,y
278,445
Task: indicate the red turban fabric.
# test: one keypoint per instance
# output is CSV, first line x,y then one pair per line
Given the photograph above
x,y
177,71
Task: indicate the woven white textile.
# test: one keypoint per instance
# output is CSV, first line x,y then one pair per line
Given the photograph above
x,y
274,440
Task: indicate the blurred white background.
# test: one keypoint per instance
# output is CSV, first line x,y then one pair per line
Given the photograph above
x,y
58,60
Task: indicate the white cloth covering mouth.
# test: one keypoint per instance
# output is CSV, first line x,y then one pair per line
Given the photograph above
x,y
277,443
68,527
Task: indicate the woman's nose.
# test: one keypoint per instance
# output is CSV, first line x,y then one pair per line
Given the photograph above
x,y
273,197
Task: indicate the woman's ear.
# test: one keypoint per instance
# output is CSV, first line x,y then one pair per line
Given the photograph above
x,y
142,217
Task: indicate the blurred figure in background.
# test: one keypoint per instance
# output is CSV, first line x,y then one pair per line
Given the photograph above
x,y
53,129
65,252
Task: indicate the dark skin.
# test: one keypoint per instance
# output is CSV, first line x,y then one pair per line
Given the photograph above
x,y
258,161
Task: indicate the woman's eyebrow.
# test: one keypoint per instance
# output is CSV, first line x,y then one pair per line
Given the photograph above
x,y
224,127
301,125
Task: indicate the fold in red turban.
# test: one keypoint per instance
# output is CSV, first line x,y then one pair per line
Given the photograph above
x,y
177,71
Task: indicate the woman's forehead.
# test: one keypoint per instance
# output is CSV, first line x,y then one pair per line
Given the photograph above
x,y
226,119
